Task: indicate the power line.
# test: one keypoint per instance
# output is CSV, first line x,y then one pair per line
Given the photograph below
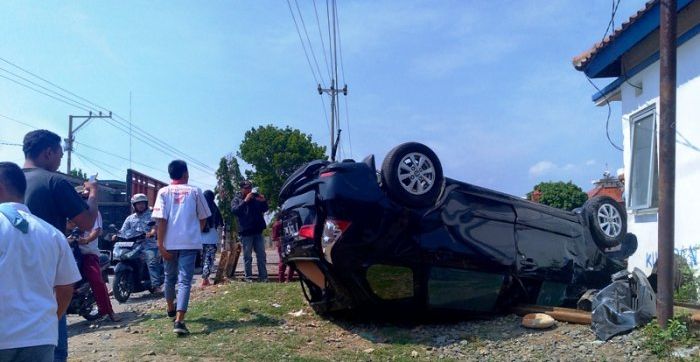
x,y
302,43
323,46
311,48
135,162
44,93
44,88
94,163
9,144
49,82
611,24
342,72
87,108
18,121
155,146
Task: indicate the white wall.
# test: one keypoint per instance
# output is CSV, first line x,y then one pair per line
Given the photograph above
x,y
644,225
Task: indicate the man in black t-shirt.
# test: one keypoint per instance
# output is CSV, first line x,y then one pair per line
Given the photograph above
x,y
50,197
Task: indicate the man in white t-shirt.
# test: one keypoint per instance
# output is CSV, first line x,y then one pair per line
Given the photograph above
x,y
180,211
37,272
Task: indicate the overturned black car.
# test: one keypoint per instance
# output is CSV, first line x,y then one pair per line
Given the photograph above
x,y
406,238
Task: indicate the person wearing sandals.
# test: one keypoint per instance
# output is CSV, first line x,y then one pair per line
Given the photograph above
x,y
210,237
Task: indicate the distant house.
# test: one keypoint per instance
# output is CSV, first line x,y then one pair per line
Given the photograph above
x,y
608,186
631,56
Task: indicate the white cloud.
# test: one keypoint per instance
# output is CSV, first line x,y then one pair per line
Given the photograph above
x,y
541,168
590,162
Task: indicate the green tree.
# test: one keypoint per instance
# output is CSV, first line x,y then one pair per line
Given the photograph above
x,y
228,176
275,153
562,195
77,172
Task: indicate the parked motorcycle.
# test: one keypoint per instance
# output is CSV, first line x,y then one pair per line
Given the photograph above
x,y
83,302
131,273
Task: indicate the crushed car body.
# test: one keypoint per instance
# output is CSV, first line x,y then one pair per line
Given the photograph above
x,y
408,238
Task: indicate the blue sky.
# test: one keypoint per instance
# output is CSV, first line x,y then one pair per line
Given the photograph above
x,y
488,85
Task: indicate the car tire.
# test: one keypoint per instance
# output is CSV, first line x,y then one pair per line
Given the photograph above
x,y
412,174
607,220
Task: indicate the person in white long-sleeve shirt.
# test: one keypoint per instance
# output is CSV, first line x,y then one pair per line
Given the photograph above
x,y
37,272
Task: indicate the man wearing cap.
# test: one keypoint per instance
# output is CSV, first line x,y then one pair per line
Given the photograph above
x,y
249,206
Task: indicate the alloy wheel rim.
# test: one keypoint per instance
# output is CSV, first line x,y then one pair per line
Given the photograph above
x,y
416,173
609,220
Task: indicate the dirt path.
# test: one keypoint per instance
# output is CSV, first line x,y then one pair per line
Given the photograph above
x,y
103,340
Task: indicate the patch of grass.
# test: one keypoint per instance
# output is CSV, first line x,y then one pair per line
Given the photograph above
x,y
252,321
662,341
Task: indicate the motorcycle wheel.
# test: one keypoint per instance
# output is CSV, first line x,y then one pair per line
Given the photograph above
x,y
121,287
91,313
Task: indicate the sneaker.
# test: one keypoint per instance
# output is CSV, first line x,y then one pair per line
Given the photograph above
x,y
171,314
180,329
205,282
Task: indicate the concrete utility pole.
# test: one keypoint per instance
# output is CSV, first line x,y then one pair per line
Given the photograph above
x,y
71,133
667,160
333,92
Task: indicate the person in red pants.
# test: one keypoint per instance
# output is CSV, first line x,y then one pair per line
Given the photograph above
x,y
285,272
91,268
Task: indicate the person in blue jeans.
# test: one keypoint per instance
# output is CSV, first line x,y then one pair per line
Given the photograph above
x,y
181,212
249,206
50,197
138,223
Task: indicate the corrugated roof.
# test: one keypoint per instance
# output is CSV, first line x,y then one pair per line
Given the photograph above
x,y
581,61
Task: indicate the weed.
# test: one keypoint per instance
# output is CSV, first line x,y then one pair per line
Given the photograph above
x,y
661,341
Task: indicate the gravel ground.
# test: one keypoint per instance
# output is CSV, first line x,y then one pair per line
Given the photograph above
x,y
499,339
503,339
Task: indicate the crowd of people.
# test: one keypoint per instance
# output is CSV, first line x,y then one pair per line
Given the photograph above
x,y
42,215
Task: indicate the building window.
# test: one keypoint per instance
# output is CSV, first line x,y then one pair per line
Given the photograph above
x,y
644,172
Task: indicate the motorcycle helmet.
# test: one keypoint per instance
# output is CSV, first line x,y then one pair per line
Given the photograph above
x,y
139,198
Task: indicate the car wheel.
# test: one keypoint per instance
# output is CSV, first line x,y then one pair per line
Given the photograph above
x,y
607,219
412,174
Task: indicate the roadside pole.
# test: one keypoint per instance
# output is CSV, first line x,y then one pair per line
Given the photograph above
x,y
71,134
667,160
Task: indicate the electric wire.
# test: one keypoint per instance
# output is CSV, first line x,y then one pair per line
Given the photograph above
x,y
323,45
94,163
20,122
311,68
42,87
308,39
6,143
611,24
135,162
89,108
139,137
44,93
342,72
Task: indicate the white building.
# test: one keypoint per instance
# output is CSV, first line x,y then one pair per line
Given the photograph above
x,y
631,54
